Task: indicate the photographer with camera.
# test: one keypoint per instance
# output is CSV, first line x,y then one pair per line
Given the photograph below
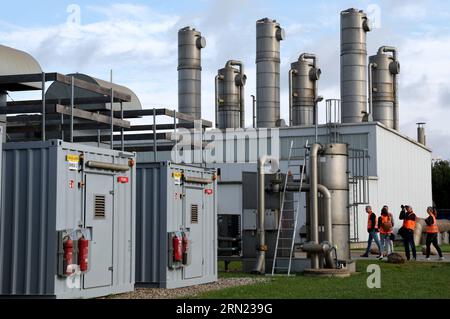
x,y
407,230
372,229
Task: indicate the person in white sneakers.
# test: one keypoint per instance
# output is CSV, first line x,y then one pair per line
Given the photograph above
x,y
386,227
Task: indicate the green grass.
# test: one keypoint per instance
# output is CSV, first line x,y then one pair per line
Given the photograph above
x,y
410,280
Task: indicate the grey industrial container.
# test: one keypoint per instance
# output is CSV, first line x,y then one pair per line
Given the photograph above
x,y
55,192
175,200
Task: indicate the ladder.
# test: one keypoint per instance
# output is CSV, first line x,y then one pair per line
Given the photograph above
x,y
288,220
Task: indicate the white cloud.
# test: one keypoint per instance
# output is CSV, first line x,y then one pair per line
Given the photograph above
x,y
125,34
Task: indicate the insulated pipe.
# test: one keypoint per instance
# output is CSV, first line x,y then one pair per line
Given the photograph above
x,y
324,248
291,92
217,99
328,223
370,113
394,52
260,266
314,202
254,110
243,78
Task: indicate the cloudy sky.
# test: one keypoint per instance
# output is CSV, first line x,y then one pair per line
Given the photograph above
x,y
138,40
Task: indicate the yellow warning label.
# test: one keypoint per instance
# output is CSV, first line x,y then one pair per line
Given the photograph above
x,y
73,158
177,175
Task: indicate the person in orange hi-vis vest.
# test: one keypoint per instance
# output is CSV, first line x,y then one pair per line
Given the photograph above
x,y
407,230
386,227
432,232
372,229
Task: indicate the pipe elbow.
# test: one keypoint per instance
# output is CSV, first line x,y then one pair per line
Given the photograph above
x,y
324,191
273,161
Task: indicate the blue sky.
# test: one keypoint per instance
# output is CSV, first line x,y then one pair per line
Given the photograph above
x,y
137,39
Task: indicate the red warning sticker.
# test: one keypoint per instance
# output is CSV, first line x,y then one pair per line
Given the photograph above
x,y
123,179
72,184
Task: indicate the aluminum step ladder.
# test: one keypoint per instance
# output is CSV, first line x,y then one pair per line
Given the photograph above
x,y
288,220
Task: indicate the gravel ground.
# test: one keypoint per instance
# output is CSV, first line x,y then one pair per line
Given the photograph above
x,y
157,293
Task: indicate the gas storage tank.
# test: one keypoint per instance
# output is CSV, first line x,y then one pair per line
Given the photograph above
x,y
269,34
354,27
333,174
304,75
384,69
190,44
230,83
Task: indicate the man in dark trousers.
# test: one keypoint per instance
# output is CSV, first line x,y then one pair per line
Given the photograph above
x,y
409,223
372,229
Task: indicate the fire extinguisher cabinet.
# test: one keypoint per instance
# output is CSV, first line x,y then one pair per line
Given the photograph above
x,y
176,225
67,220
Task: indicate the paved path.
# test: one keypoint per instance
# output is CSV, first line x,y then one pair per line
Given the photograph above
x,y
420,257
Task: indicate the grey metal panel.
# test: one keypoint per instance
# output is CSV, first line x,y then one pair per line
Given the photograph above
x,y
268,37
194,196
42,203
354,26
101,256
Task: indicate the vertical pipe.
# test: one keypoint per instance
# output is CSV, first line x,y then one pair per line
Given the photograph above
x,y
112,119
190,44
216,89
370,78
291,73
175,134
155,155
72,106
354,28
261,262
254,111
62,127
314,202
269,34
98,134
242,102
43,106
121,129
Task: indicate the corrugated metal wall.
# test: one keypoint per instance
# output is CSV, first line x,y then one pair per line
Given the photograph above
x,y
28,221
151,223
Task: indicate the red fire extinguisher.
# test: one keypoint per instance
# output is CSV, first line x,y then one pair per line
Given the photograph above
x,y
68,256
83,254
185,243
177,249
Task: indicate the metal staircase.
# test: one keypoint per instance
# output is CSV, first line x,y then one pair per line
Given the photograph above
x,y
288,220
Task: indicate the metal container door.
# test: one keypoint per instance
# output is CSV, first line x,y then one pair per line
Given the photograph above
x,y
99,217
194,217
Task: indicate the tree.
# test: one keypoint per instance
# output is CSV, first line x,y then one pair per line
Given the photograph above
x,y
441,184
